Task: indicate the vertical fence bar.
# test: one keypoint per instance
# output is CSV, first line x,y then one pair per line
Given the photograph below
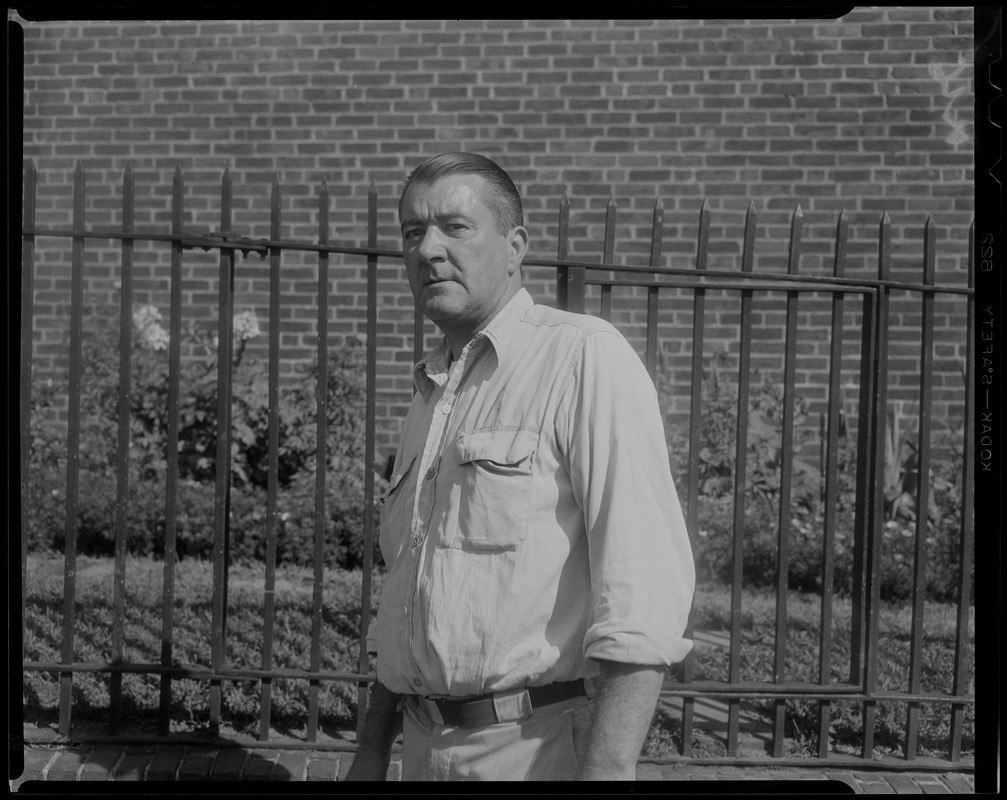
x,y
122,460
606,303
73,443
575,276
577,289
171,455
695,428
272,479
786,480
372,354
27,323
962,645
656,242
866,424
608,256
740,472
321,458
922,487
562,249
608,248
831,461
222,505
875,471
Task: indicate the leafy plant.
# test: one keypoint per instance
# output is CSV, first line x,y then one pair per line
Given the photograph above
x,y
902,469
718,427
197,419
713,540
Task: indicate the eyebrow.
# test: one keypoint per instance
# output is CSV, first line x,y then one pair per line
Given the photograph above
x,y
409,222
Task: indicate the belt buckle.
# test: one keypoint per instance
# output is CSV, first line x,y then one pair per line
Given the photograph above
x,y
512,705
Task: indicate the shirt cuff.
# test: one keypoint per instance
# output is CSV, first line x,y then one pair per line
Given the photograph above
x,y
637,648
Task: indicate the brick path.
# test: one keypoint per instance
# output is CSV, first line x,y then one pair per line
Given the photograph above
x,y
56,761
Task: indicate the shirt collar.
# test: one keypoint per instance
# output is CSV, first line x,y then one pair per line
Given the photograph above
x,y
499,333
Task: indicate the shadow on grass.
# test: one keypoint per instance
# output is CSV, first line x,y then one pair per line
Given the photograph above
x,y
134,755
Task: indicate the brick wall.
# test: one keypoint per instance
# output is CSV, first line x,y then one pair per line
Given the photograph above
x,y
869,113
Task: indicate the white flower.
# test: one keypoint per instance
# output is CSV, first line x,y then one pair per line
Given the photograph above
x,y
146,315
150,335
246,326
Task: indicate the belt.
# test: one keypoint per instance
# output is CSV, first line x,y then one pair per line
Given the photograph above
x,y
474,712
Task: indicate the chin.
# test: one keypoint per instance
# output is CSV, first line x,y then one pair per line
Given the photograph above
x,y
440,308
440,299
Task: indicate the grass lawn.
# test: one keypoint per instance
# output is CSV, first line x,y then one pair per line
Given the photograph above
x,y
340,651
712,614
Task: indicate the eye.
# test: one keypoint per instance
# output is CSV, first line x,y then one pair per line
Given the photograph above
x,y
411,234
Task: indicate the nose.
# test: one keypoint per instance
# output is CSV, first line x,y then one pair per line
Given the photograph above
x,y
431,248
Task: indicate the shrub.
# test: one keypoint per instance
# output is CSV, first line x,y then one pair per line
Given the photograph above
x,y
713,540
718,426
145,506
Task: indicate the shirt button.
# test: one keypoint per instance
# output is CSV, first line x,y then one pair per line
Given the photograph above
x,y
415,540
417,682
430,473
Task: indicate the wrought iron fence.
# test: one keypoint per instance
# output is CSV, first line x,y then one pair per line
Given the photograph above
x,y
574,281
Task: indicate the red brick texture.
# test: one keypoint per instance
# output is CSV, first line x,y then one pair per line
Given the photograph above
x,y
870,113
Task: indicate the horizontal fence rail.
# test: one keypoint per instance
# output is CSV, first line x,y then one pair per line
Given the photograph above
x,y
579,285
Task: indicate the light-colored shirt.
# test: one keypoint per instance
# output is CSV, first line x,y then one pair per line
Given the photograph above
x,y
531,524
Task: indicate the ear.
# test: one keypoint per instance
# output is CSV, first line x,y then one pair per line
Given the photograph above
x,y
517,242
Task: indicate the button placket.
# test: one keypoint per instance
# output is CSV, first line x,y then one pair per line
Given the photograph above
x,y
431,452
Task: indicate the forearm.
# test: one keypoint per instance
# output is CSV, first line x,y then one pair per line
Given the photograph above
x,y
625,697
382,723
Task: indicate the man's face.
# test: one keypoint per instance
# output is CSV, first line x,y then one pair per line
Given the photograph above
x,y
461,268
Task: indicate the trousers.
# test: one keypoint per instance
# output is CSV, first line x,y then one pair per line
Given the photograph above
x,y
547,746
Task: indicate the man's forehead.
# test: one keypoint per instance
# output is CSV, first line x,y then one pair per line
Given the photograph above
x,y
450,194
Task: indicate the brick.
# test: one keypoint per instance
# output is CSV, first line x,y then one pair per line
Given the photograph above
x,y
903,784
195,767
35,760
164,765
958,784
132,766
878,787
227,766
260,765
290,765
66,766
327,768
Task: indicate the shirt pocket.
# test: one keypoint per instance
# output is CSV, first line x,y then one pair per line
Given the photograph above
x,y
395,508
496,465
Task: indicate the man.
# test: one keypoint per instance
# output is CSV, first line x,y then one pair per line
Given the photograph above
x,y
539,571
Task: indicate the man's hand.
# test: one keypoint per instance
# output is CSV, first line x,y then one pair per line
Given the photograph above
x,y
374,750
624,701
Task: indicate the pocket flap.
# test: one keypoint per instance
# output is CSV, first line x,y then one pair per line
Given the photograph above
x,y
508,447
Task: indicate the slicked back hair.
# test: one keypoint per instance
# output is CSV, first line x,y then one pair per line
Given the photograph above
x,y
502,196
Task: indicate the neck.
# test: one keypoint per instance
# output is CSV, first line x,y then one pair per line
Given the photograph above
x,y
460,335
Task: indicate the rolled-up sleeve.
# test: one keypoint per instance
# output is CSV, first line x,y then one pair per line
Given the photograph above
x,y
641,564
